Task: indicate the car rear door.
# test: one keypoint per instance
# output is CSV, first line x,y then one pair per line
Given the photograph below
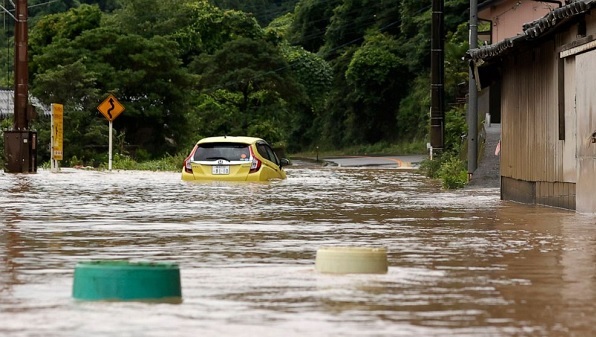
x,y
271,163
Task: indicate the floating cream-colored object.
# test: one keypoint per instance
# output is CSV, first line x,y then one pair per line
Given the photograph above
x,y
351,260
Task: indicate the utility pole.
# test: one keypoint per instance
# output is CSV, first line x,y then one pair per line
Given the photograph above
x,y
21,76
472,117
437,64
20,143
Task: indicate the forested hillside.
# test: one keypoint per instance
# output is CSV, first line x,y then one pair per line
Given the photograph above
x,y
264,11
301,73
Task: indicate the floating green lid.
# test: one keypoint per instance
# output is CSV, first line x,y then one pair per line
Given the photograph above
x,y
127,281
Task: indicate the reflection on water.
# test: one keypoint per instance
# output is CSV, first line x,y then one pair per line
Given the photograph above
x,y
462,263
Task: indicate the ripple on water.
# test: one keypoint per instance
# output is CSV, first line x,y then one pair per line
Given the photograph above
x,y
462,263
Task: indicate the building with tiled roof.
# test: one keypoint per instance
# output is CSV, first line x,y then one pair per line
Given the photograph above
x,y
544,80
7,105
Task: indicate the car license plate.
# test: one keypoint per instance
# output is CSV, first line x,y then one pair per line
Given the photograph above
x,y
220,169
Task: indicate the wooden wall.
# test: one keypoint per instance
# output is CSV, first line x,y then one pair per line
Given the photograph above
x,y
537,163
530,146
548,111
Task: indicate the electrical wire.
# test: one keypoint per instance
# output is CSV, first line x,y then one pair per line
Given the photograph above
x,y
331,51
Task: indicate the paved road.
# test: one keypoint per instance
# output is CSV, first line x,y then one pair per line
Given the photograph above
x,y
488,172
403,162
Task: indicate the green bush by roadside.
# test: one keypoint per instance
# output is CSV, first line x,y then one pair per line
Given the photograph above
x,y
448,168
381,148
453,173
167,163
124,162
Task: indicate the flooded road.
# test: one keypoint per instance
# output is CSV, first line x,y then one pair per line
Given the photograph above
x,y
461,263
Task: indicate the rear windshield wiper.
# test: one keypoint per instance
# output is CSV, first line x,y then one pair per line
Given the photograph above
x,y
215,158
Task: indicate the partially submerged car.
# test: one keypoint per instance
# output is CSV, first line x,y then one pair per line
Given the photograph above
x,y
233,158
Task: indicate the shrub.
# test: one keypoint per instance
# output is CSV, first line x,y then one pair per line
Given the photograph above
x,y
123,162
453,173
430,168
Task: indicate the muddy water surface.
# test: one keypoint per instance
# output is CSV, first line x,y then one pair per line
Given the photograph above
x,y
462,263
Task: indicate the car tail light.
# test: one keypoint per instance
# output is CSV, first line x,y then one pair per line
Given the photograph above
x,y
187,165
255,165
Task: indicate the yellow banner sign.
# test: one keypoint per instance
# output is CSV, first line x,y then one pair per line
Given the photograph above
x,y
57,131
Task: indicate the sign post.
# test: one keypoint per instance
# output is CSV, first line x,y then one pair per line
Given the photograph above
x,y
111,109
57,136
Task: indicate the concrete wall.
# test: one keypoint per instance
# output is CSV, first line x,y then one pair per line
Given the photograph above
x,y
554,194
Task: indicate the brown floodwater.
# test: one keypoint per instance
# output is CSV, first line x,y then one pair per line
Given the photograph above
x,y
461,263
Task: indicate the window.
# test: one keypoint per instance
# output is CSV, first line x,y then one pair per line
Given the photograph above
x,y
561,100
224,151
267,152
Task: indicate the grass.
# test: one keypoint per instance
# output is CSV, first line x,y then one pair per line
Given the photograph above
x,y
168,163
174,163
379,149
123,162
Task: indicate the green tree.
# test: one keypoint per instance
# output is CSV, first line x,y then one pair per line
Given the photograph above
x,y
376,74
84,138
40,8
314,74
264,11
332,73
145,74
336,121
353,18
311,18
310,70
149,18
280,27
59,29
195,25
414,108
254,78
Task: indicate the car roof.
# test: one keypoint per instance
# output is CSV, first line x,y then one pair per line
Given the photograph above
x,y
230,139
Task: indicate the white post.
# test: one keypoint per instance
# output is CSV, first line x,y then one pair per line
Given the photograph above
x,y
110,153
430,150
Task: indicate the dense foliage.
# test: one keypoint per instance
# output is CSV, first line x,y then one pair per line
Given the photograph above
x,y
264,11
300,73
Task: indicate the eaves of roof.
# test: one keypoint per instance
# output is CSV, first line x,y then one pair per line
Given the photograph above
x,y
533,30
7,105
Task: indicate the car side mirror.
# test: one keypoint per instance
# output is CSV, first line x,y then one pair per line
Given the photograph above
x,y
285,162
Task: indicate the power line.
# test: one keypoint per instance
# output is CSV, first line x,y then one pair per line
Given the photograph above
x,y
380,29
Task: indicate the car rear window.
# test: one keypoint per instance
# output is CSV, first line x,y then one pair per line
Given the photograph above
x,y
222,151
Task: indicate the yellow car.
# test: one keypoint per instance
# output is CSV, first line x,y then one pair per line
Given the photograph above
x,y
233,158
